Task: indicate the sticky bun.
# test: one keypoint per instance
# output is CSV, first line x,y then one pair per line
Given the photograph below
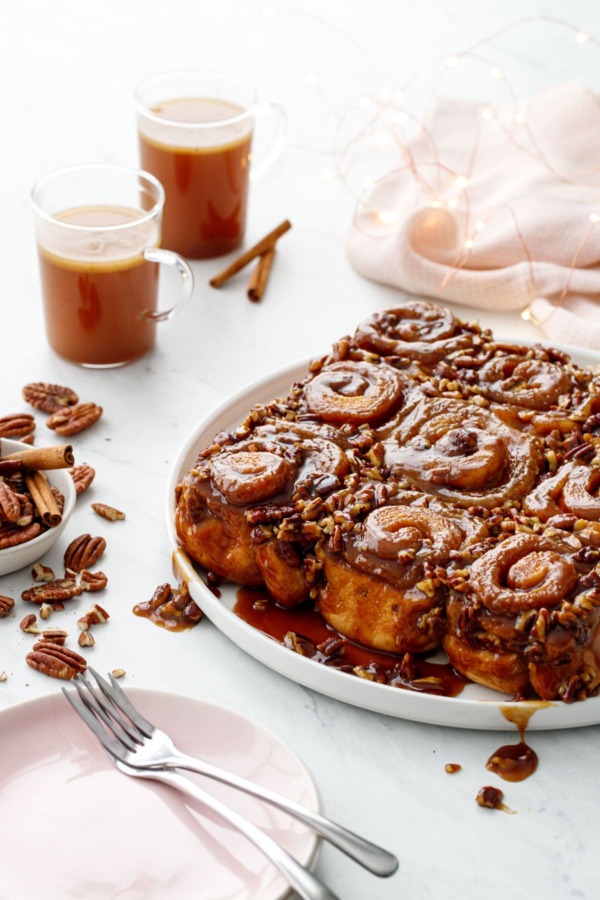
x,y
423,486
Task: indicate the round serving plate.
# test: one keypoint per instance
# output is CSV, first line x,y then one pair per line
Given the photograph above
x,y
476,707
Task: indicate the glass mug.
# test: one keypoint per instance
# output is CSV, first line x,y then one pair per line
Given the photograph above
x,y
98,228
195,135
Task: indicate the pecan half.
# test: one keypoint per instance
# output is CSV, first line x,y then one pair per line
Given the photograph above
x,y
82,476
83,552
16,425
49,398
74,419
12,536
108,512
6,604
93,581
61,589
51,659
10,505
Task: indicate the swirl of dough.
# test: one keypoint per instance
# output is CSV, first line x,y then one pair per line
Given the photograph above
x,y
354,392
419,331
464,455
396,541
249,476
573,489
524,572
528,383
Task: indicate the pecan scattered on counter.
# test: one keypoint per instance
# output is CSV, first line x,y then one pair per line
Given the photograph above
x,y
59,590
83,552
74,419
51,659
108,512
6,604
49,398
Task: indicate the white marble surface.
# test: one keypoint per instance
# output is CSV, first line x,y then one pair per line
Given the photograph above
x,y
68,73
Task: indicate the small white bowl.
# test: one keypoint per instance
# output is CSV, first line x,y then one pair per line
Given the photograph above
x,y
14,558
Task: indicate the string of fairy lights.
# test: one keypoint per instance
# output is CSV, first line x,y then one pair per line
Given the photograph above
x,y
381,131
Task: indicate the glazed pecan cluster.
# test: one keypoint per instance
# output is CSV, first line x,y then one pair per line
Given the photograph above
x,y
427,486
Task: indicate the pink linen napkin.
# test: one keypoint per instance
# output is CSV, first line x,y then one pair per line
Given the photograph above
x,y
496,211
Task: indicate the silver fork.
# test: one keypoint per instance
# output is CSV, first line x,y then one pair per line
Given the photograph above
x,y
136,742
307,885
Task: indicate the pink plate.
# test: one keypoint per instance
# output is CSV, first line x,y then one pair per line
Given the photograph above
x,y
73,826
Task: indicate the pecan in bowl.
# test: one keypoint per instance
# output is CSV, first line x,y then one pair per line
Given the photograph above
x,y
23,539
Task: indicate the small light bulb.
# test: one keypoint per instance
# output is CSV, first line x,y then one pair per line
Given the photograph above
x,y
594,217
479,226
468,243
385,95
581,36
453,202
461,182
520,118
436,204
486,112
382,139
364,101
452,62
497,72
387,217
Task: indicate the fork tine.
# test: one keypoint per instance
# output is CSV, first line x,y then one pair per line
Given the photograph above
x,y
107,712
108,741
117,695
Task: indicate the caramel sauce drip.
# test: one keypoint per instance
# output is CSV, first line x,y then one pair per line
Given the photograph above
x,y
304,631
516,762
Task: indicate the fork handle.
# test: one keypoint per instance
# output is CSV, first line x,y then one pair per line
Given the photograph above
x,y
370,856
307,885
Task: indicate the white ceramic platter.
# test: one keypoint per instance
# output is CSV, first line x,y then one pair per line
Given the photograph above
x,y
476,707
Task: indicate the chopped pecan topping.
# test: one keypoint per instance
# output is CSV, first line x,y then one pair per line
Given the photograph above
x,y
82,476
16,425
6,604
49,398
84,551
74,419
51,659
452,768
108,512
59,590
118,673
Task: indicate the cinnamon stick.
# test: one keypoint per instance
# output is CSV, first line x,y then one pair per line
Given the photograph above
x,y
39,458
41,493
260,275
258,249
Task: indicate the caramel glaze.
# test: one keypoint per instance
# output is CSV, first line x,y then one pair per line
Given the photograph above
x,y
515,762
304,630
171,609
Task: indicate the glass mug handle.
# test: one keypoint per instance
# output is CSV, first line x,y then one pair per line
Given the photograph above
x,y
258,169
174,261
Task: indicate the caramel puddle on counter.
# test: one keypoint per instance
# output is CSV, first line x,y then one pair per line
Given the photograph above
x,y
516,762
